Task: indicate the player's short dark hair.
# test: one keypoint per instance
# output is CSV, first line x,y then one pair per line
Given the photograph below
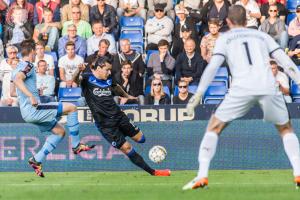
x,y
237,15
163,43
70,43
126,62
101,62
27,46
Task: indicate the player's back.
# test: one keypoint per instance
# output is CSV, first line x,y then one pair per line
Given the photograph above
x,y
247,52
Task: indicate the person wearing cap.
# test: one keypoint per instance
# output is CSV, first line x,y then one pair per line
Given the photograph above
x,y
208,41
294,26
281,10
130,8
158,27
178,44
168,8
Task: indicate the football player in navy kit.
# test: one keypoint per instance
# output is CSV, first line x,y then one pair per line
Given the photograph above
x,y
99,89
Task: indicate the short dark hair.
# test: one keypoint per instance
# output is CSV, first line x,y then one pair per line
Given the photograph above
x,y
101,62
126,62
27,46
40,43
96,22
273,62
163,43
237,15
70,43
105,41
214,21
41,61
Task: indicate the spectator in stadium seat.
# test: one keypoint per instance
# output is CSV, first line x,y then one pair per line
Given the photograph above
x,y
84,29
275,27
215,9
102,52
40,55
6,67
183,96
252,11
261,2
157,96
294,26
107,15
93,41
45,83
130,8
127,53
161,64
39,11
21,4
47,31
80,43
281,10
131,82
282,80
19,29
68,65
168,8
189,64
158,27
192,4
208,41
66,11
178,43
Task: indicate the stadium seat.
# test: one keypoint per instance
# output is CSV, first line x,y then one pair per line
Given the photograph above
x,y
290,17
292,4
69,94
149,52
47,99
176,91
222,75
129,24
193,88
214,92
136,40
295,92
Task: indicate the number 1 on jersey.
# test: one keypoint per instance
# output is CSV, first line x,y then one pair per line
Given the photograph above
x,y
248,53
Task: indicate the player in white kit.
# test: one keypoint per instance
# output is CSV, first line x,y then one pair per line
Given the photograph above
x,y
247,52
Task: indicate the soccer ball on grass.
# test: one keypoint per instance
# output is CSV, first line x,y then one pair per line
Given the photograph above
x,y
157,154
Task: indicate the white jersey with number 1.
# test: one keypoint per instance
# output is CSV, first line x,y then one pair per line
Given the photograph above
x,y
247,52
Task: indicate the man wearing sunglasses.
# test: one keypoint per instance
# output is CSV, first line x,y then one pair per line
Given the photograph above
x,y
99,89
158,28
183,96
281,10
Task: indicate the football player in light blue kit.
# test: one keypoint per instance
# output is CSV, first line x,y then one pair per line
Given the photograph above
x,y
24,77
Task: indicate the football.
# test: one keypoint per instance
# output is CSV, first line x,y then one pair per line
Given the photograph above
x,y
157,154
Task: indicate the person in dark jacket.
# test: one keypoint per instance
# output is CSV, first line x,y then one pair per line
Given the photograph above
x,y
157,96
19,30
107,15
189,64
183,96
131,83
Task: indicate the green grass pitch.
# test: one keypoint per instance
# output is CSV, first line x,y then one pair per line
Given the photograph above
x,y
223,184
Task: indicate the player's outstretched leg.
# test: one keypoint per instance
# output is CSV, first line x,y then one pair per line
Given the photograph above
x,y
138,160
207,151
73,125
51,142
291,147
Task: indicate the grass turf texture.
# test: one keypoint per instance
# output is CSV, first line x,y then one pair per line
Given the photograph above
x,y
231,185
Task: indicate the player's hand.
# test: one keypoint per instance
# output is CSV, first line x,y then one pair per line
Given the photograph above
x,y
193,102
33,101
132,97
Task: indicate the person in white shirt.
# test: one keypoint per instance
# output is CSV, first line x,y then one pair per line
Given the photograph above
x,y
40,55
158,28
130,8
282,81
45,83
68,64
6,67
99,34
252,83
252,12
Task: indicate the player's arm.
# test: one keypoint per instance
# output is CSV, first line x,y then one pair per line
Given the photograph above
x,y
19,83
117,89
287,64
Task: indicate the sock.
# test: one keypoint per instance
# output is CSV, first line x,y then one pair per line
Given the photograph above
x,y
73,125
291,147
50,144
136,159
207,151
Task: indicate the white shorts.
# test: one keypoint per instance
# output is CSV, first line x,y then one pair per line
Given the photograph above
x,y
236,106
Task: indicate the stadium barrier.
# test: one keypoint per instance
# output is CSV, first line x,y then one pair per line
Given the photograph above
x,y
247,143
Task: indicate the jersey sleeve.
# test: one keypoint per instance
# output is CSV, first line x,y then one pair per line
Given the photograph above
x,y
271,44
84,79
25,67
220,47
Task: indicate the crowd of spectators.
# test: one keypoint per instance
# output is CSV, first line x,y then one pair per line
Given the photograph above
x,y
179,34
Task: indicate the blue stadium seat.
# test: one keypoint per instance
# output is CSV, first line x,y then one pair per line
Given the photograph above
x,y
136,39
69,94
295,92
290,17
176,90
129,24
149,52
213,101
214,92
193,88
292,4
222,75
